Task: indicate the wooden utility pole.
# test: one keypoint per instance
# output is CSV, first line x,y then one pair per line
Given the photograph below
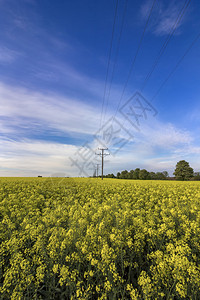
x,y
102,154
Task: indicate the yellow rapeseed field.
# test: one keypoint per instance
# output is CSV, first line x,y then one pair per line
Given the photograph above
x,y
92,239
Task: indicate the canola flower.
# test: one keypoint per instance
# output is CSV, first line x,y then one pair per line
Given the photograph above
x,y
88,239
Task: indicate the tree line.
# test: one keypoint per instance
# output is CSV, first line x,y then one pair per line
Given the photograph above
x,y
140,174
182,172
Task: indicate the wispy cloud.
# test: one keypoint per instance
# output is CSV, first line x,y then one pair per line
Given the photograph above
x,y
53,111
164,16
32,158
7,55
53,70
166,135
158,146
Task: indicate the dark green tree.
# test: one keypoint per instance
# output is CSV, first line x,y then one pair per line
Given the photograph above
x,y
160,176
136,173
183,170
131,174
143,174
197,176
110,176
118,175
166,174
152,175
124,174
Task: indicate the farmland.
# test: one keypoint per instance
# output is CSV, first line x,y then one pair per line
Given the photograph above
x,y
92,239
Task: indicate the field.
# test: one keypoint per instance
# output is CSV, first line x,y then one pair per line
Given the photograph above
x,y
88,239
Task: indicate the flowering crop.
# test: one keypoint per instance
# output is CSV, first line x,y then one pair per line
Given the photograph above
x,y
92,239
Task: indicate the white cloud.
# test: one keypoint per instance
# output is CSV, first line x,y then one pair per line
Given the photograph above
x,y
52,70
7,55
157,147
164,16
188,150
166,135
33,158
53,111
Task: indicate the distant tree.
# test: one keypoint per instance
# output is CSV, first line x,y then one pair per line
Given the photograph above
x,y
136,173
118,175
196,176
152,175
183,170
143,174
166,174
148,176
131,174
160,176
124,174
111,175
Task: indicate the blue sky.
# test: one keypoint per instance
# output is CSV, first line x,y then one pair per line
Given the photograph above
x,y
55,101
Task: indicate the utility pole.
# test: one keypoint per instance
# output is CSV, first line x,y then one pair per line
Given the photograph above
x,y
98,170
102,154
94,174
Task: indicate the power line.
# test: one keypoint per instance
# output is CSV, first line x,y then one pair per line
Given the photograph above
x,y
109,57
102,154
135,57
164,46
116,55
176,23
162,49
176,66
